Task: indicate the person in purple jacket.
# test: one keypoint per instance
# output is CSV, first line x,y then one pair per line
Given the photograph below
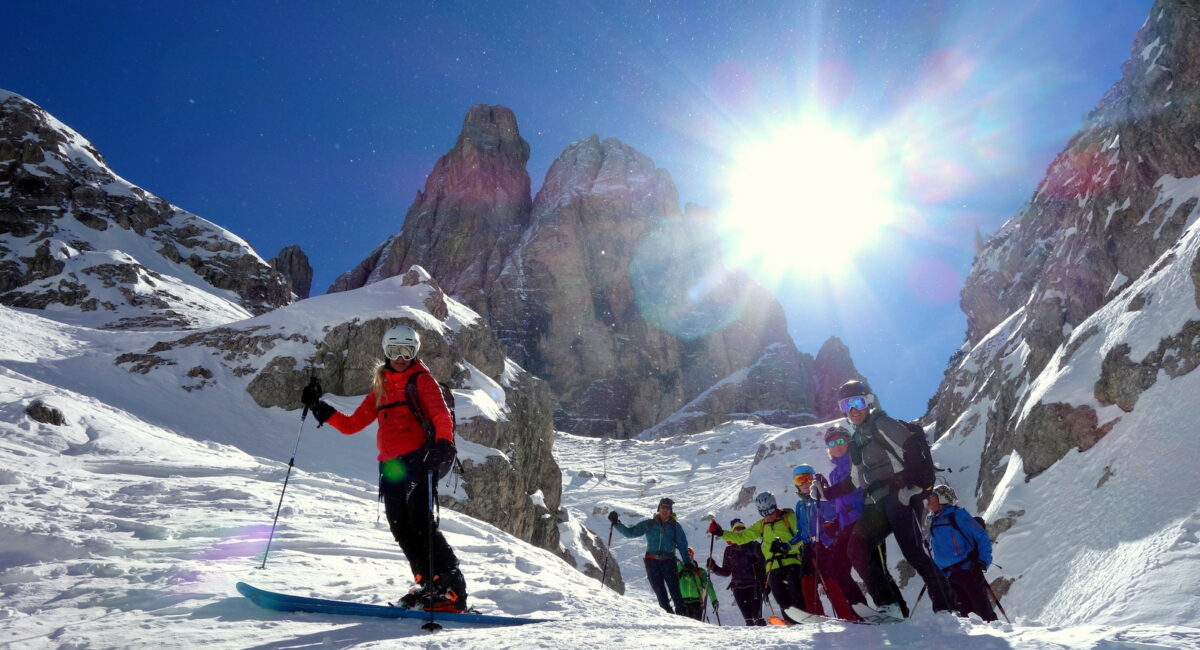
x,y
744,562
848,508
962,550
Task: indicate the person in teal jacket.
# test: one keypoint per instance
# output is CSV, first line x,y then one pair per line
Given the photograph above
x,y
664,537
692,584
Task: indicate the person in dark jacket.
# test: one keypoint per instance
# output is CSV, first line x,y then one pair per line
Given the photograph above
x,y
746,569
878,467
963,550
664,537
848,509
409,457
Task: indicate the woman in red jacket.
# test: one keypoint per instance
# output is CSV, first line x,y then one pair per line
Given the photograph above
x,y
407,402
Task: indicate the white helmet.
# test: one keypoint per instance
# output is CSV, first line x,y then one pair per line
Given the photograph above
x,y
945,494
401,342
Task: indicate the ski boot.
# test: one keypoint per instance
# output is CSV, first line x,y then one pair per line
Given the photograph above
x,y
448,593
416,596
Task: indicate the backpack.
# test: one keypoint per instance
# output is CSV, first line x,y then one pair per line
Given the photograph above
x,y
413,402
974,554
919,468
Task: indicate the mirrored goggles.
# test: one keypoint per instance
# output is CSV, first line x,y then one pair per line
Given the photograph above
x,y
395,351
803,479
858,403
835,442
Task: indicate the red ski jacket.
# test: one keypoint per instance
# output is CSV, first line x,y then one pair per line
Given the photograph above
x,y
399,430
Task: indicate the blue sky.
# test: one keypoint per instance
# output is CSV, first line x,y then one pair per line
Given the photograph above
x,y
316,123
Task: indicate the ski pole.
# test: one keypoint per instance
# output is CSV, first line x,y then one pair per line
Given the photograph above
x,y
607,554
287,477
997,599
711,539
430,626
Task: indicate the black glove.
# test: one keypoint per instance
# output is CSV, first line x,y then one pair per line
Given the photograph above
x,y
716,605
780,547
440,457
714,528
311,395
613,517
711,564
690,566
322,412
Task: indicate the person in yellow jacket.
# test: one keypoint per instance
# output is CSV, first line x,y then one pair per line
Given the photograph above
x,y
784,562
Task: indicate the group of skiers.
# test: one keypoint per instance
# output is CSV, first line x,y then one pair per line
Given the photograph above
x,y
881,479
879,485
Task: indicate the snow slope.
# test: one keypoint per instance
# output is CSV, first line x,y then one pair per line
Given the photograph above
x,y
123,527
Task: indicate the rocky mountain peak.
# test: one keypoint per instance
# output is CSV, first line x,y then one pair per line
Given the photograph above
x,y
461,227
832,368
103,252
1045,368
293,265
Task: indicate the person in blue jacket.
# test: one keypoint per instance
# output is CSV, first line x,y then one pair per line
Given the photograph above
x,y
664,537
962,550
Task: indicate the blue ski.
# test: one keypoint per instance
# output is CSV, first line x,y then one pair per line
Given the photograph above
x,y
290,603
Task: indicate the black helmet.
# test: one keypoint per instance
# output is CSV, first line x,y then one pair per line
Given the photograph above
x,y
853,388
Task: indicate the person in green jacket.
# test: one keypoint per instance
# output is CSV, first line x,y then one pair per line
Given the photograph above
x,y
784,562
692,584
664,536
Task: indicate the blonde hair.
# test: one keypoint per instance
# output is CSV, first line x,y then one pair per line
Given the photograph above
x,y
377,383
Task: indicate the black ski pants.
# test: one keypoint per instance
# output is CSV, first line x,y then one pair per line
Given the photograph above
x,y
970,586
785,584
749,601
664,580
406,502
890,517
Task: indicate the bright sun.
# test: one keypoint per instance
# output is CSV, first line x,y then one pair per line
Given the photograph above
x,y
804,199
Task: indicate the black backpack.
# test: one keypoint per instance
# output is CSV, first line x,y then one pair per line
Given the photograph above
x,y
919,468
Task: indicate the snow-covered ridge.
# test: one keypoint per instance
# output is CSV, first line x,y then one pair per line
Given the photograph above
x,y
91,248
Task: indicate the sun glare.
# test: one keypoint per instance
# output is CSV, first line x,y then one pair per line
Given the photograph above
x,y
804,199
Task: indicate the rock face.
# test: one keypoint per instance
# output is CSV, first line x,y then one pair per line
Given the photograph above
x,y
600,285
76,238
1100,241
832,368
474,207
292,264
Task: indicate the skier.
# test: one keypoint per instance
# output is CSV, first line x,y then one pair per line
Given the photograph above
x,y
848,508
963,550
812,533
878,463
745,564
408,457
783,562
664,536
692,584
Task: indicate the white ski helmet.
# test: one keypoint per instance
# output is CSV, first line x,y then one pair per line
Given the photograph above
x,y
401,342
765,502
945,494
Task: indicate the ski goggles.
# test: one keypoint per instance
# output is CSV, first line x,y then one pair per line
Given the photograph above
x,y
803,479
395,351
835,442
857,403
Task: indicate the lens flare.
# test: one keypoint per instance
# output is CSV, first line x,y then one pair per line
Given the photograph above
x,y
805,198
